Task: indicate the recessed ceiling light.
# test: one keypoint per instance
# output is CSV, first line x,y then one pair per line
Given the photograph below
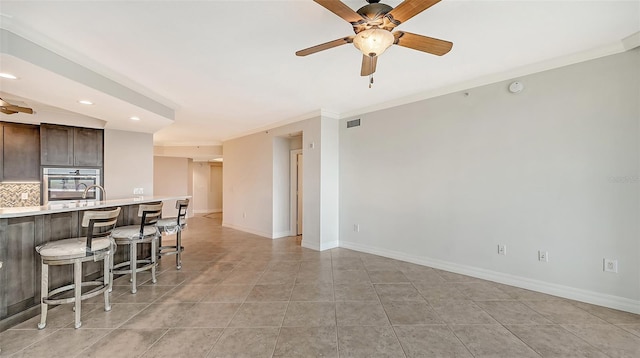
x,y
134,118
8,75
84,101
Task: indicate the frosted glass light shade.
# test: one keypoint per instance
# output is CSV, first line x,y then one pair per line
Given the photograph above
x,y
373,42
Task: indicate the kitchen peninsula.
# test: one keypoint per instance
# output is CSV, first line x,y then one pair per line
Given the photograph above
x,y
24,228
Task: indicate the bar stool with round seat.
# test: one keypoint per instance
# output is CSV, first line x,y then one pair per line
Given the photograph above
x,y
133,235
96,246
174,225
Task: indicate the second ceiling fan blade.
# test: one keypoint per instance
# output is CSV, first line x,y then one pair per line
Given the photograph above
x,y
422,43
341,9
408,9
368,65
19,109
325,46
9,108
6,111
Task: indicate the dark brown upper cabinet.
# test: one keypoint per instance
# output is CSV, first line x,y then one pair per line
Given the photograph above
x,y
57,145
71,146
19,152
87,147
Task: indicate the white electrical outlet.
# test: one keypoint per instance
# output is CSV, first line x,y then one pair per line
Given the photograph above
x,y
610,265
356,227
244,214
543,256
502,250
24,196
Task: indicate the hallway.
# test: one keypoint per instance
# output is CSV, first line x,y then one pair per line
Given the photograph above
x,y
240,295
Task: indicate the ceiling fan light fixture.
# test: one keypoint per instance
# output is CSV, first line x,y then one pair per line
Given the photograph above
x,y
373,42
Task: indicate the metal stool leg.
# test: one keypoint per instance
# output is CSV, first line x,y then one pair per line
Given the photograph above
x,y
113,253
154,258
107,280
77,282
44,292
179,249
133,265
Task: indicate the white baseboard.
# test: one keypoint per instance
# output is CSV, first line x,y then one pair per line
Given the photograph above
x,y
310,245
321,246
596,298
206,211
276,235
249,230
281,234
329,245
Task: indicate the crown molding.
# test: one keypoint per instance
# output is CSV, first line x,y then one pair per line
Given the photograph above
x,y
273,125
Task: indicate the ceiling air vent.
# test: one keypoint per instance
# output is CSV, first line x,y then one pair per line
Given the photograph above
x,y
353,123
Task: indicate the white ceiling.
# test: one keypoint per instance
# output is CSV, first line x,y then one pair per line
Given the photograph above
x,y
228,67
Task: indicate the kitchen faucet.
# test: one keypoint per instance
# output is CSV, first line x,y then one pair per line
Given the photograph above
x,y
104,192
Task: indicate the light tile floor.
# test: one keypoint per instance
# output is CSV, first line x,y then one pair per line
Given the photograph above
x,y
239,295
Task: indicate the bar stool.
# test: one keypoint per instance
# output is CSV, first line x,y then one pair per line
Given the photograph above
x,y
174,225
96,246
134,235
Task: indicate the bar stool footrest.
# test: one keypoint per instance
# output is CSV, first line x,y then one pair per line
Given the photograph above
x,y
101,287
173,251
148,265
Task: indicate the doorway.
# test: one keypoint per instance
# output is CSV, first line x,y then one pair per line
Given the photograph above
x,y
296,192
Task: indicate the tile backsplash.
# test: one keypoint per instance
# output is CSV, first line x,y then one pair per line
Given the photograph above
x,y
11,194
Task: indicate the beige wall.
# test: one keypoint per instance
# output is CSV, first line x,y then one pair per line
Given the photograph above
x,y
256,182
128,163
555,168
171,178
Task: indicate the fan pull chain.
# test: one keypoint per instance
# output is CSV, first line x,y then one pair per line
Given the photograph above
x,y
371,70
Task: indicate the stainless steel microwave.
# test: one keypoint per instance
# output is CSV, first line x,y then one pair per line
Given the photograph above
x,y
66,184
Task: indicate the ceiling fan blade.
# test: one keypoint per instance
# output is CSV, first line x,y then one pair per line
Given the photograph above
x,y
19,109
325,46
368,65
8,108
408,9
6,111
341,9
422,43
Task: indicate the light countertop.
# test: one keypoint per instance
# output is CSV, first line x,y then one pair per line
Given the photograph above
x,y
51,208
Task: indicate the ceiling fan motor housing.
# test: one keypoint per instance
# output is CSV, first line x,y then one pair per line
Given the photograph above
x,y
374,13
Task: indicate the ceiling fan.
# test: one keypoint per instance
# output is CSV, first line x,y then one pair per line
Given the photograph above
x,y
8,108
373,23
